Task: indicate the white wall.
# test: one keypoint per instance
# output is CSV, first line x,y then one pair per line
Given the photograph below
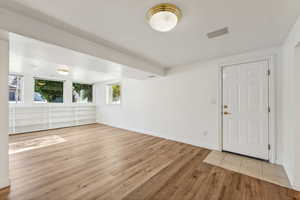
x,y
289,111
4,52
168,107
296,119
182,106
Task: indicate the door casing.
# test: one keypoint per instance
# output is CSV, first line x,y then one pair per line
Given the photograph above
x,y
272,134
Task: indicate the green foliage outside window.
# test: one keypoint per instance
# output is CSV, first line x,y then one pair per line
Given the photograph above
x,y
82,93
48,91
116,92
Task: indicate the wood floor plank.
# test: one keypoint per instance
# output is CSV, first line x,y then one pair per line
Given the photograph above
x,y
186,174
169,174
101,176
153,185
152,163
122,190
75,173
102,162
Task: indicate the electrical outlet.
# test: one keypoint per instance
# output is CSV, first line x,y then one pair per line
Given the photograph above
x,y
205,133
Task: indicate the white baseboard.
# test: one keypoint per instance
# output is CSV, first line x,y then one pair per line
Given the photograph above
x,y
4,183
147,132
288,173
296,186
294,183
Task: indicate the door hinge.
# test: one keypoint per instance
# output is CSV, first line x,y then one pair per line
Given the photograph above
x,y
268,72
269,109
269,147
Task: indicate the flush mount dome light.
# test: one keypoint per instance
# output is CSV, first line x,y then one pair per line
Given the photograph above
x,y
41,83
63,70
164,17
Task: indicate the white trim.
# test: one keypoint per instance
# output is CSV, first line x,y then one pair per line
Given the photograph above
x,y
296,186
147,132
272,133
48,79
220,115
272,115
78,82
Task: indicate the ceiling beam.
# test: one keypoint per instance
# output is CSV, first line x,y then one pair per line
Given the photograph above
x,y
30,23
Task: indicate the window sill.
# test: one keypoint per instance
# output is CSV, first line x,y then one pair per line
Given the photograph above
x,y
113,104
12,102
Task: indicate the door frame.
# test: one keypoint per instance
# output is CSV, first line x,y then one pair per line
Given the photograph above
x,y
271,121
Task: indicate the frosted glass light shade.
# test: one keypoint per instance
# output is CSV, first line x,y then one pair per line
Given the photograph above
x,y
63,70
163,21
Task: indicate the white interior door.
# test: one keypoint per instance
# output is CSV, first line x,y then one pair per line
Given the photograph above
x,y
246,109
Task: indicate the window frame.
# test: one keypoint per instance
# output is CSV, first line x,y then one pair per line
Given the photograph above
x,y
109,98
21,94
91,84
49,79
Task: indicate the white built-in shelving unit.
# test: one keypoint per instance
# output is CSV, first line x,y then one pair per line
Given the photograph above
x,y
24,119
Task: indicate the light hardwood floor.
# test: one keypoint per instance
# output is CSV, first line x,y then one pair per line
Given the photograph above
x,y
101,162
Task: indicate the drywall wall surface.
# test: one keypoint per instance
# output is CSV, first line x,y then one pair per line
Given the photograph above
x,y
4,62
183,106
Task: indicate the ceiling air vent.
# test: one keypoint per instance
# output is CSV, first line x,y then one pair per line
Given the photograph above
x,y
218,33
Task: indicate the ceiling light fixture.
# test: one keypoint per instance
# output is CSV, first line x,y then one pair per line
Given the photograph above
x,y
164,17
63,70
41,83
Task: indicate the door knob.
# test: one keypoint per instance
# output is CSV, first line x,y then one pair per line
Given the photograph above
x,y
226,113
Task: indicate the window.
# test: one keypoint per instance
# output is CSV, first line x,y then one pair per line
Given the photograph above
x,y
114,93
14,88
82,93
46,91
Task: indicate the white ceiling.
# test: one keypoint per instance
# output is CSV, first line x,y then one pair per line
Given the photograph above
x,y
29,56
253,24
